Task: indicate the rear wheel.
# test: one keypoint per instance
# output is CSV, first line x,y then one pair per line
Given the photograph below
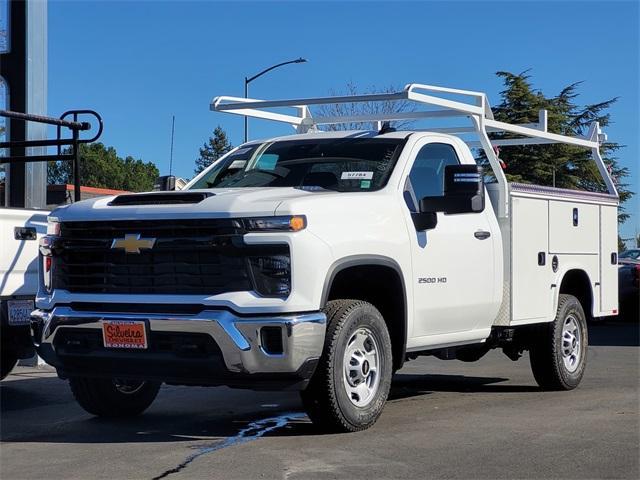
x,y
8,360
559,352
106,397
351,384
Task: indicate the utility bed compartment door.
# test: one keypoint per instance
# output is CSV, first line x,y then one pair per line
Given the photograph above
x,y
573,227
608,262
531,294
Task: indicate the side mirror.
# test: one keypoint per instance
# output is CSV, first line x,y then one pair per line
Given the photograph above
x,y
424,220
463,191
164,184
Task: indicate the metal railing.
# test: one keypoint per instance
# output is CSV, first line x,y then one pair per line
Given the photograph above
x,y
72,155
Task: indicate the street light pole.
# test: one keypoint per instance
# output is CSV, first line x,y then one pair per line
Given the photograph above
x,y
247,81
246,119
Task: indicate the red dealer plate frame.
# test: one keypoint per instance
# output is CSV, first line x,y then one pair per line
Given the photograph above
x,y
128,334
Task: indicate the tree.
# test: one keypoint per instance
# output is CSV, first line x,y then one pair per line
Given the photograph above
x,y
559,165
101,167
622,246
212,150
363,108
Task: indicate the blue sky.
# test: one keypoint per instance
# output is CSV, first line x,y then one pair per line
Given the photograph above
x,y
139,63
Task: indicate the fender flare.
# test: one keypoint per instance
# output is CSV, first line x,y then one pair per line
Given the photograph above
x,y
378,260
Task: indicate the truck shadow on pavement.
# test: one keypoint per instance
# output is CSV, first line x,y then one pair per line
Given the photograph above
x,y
35,406
40,408
410,385
22,422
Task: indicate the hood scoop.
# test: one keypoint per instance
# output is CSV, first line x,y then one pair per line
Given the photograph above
x,y
159,198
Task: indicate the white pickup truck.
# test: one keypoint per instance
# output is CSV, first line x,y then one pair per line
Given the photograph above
x,y
321,262
20,230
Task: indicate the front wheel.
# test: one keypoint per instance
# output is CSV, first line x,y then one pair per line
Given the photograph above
x,y
107,397
558,354
351,384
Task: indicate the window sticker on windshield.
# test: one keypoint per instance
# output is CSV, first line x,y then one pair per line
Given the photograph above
x,y
241,151
356,176
237,164
365,183
267,161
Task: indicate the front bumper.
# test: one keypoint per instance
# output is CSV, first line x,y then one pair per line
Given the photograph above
x,y
213,347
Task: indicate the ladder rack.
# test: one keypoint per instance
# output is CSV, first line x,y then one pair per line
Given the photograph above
x,y
475,108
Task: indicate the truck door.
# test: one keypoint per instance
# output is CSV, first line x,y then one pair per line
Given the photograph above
x,y
453,264
20,231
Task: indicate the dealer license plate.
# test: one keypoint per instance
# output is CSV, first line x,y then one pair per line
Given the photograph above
x,y
124,334
20,311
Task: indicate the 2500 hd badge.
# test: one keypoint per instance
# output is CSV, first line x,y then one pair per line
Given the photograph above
x,y
422,280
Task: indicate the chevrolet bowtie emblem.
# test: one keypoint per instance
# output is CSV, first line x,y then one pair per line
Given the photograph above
x,y
132,243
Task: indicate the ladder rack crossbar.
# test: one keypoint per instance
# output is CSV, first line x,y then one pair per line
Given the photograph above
x,y
218,104
383,117
439,105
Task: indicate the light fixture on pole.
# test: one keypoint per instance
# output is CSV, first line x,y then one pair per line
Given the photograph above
x,y
248,80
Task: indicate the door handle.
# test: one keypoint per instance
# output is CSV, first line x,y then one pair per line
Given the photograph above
x,y
482,234
25,233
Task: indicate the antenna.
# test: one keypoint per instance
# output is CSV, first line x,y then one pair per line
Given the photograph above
x,y
173,124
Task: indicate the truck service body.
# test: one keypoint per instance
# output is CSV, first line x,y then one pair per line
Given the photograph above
x,y
321,261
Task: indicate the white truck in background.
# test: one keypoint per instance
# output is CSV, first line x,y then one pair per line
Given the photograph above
x,y
322,261
20,231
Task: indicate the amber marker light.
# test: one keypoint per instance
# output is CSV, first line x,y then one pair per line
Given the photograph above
x,y
297,223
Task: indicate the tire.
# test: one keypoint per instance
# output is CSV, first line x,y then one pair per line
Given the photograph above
x,y
351,383
8,360
558,354
105,397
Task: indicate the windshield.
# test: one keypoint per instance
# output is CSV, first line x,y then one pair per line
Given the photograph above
x,y
340,164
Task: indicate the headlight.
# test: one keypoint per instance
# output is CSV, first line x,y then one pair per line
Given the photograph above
x,y
53,226
46,255
47,267
287,223
46,261
271,274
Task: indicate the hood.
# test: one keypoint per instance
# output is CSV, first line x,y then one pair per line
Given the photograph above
x,y
221,203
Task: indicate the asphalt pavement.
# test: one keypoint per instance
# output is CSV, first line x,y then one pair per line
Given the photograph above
x,y
445,419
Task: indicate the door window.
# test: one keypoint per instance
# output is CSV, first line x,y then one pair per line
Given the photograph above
x,y
426,178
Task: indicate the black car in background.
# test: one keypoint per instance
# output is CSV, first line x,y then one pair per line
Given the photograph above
x,y
632,255
628,280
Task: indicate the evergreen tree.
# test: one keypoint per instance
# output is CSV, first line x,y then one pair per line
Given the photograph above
x,y
212,150
622,246
101,167
559,165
